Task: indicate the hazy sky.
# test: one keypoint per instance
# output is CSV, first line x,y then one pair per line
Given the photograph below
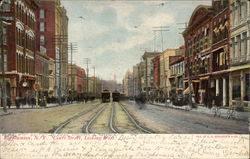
x,y
114,34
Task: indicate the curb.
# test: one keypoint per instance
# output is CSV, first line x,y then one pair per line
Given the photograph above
x,y
9,113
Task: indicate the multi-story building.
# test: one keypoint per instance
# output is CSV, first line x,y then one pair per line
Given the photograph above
x,y
128,84
239,76
156,76
42,74
198,52
147,75
207,52
52,75
136,80
219,81
19,47
176,74
53,39
76,80
165,86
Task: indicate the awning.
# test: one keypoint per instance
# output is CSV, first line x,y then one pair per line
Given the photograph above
x,y
239,68
204,78
195,80
186,91
192,81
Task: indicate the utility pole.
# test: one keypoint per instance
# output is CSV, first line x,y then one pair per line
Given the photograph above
x,y
87,62
94,85
4,99
189,71
59,51
72,48
161,29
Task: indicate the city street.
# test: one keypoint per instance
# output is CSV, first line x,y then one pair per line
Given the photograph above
x,y
125,117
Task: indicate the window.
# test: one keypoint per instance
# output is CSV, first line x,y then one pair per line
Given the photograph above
x,y
247,87
6,7
233,48
238,45
42,26
42,40
4,36
5,61
42,14
244,45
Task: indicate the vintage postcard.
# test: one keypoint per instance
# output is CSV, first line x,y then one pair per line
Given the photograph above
x,y
124,79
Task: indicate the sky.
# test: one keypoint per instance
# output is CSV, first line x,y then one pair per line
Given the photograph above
x,y
115,34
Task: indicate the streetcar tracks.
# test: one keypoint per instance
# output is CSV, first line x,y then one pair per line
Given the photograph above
x,y
88,126
111,121
61,126
146,130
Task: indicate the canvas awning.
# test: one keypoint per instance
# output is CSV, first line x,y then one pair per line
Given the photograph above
x,y
186,91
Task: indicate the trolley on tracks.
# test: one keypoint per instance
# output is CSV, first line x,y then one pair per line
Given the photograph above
x,y
116,96
105,96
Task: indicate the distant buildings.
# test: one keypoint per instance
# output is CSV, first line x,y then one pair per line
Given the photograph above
x,y
76,80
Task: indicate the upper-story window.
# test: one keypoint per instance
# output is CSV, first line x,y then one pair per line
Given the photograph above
x,y
5,7
42,40
42,26
4,35
42,14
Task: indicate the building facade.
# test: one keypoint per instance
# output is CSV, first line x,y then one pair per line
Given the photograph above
x,y
20,47
165,85
198,52
207,53
53,40
42,75
176,78
76,80
239,76
147,75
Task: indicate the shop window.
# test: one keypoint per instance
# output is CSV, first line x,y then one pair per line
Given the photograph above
x,y
247,87
236,88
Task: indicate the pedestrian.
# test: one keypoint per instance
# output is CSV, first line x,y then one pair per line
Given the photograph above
x,y
8,102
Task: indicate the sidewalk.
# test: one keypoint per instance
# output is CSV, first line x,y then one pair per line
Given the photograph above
x,y
40,107
223,112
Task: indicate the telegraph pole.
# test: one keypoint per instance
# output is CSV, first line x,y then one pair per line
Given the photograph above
x,y
72,47
161,29
59,39
188,71
87,60
94,85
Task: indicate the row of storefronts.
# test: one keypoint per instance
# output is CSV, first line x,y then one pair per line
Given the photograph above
x,y
214,62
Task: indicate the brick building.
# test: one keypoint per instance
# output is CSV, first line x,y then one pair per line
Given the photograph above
x,y
198,51
76,79
52,39
207,52
156,76
20,47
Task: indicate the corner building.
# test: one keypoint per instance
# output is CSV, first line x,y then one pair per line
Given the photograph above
x,y
20,46
207,53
